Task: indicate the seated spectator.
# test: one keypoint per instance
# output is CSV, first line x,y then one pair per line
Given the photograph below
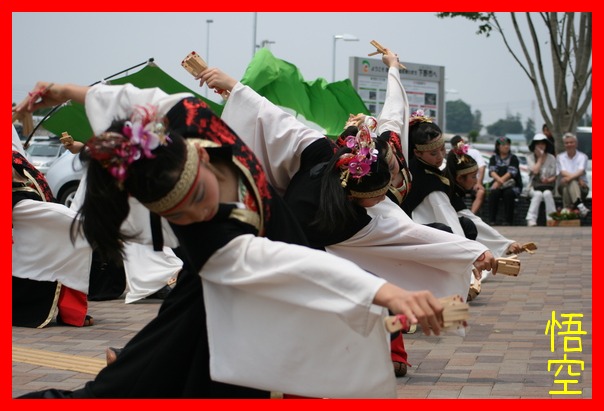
x,y
571,166
542,171
551,148
504,168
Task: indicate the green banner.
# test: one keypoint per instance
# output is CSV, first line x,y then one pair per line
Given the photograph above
x,y
326,104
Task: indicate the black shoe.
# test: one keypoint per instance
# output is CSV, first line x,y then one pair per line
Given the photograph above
x,y
400,369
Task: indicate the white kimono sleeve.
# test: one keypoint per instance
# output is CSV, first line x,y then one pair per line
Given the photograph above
x,y
105,103
274,307
148,270
487,235
411,255
276,137
395,113
436,208
42,248
137,224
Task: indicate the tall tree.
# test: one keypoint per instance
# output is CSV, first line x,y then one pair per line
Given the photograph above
x,y
565,98
459,117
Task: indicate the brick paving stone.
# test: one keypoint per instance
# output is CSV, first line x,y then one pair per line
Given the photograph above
x,y
508,320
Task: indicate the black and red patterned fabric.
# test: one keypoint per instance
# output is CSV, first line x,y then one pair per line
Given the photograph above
x,y
20,164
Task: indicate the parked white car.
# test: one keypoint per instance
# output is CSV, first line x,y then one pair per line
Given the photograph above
x,y
64,177
43,153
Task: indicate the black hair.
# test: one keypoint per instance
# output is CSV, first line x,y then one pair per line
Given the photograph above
x,y
336,209
422,133
499,141
455,139
455,164
105,205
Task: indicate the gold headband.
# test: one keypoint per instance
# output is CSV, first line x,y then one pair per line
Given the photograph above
x,y
468,170
432,145
370,194
183,185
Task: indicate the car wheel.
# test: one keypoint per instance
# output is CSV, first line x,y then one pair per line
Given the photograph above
x,y
68,194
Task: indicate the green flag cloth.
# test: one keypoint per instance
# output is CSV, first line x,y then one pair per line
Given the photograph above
x,y
72,117
326,104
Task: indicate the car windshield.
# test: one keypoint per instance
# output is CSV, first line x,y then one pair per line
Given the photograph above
x,y
44,150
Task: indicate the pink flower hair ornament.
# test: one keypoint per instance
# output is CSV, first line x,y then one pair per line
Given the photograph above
x,y
460,150
357,163
140,135
419,116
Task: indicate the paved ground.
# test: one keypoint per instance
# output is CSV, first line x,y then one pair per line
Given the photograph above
x,y
505,353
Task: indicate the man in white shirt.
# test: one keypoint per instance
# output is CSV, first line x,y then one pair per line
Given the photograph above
x,y
571,166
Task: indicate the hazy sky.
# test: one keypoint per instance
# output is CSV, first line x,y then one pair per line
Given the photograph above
x,y
83,48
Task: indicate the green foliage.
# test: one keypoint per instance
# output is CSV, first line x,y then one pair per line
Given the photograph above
x,y
510,125
459,118
484,18
565,214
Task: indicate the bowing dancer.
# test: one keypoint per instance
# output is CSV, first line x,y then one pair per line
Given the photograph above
x,y
428,201
50,274
342,210
276,312
462,170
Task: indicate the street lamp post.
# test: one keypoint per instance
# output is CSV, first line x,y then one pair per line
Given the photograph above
x,y
208,47
345,37
255,30
266,44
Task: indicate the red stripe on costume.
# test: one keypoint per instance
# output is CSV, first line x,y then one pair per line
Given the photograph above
x,y
73,306
397,349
